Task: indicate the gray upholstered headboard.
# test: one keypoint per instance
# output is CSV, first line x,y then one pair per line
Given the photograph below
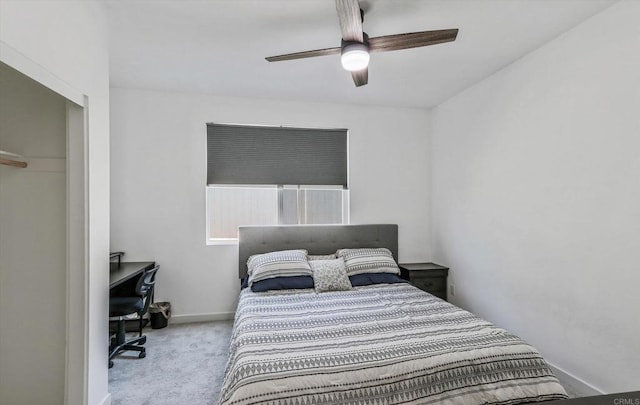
x,y
317,239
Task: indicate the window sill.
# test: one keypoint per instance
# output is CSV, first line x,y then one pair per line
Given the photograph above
x,y
217,242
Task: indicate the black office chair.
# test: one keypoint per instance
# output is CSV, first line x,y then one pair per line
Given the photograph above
x,y
138,304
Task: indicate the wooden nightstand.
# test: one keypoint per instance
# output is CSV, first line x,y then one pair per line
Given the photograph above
x,y
429,277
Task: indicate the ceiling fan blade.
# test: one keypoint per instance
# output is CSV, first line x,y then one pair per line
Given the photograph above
x,y
360,77
305,54
411,40
350,19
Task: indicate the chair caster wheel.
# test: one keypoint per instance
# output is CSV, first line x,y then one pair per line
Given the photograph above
x,y
142,355
110,363
143,340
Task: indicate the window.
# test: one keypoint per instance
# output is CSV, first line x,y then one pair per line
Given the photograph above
x,y
274,175
314,205
229,206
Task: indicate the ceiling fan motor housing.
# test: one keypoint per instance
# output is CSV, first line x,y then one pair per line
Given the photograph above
x,y
365,41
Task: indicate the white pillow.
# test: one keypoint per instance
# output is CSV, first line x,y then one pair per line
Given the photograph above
x,y
332,256
283,263
368,260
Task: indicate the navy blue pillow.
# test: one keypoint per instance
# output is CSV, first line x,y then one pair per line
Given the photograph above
x,y
283,283
244,283
358,280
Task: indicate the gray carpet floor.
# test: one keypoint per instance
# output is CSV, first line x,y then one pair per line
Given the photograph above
x,y
184,365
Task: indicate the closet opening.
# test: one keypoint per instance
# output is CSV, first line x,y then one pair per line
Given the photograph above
x,y
42,243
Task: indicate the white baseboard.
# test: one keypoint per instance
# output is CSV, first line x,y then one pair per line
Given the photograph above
x,y
582,387
218,316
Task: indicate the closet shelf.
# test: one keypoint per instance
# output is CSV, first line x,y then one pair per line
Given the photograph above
x,y
8,158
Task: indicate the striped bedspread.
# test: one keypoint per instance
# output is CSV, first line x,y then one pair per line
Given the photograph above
x,y
379,344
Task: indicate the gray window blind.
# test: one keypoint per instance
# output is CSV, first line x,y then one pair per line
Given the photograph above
x,y
238,154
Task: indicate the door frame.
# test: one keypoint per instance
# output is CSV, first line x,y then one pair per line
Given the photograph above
x,y
77,282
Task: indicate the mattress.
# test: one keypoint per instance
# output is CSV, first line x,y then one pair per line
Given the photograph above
x,y
378,344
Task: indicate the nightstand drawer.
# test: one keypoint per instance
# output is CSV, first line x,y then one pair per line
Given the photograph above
x,y
429,283
429,277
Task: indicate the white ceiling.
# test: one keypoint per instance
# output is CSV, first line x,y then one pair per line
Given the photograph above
x,y
219,47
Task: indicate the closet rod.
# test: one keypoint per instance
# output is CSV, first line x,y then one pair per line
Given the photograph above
x,y
5,159
13,163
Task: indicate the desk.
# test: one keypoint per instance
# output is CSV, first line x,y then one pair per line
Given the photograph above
x,y
120,273
123,278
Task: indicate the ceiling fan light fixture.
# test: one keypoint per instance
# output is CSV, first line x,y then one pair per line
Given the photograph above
x,y
355,56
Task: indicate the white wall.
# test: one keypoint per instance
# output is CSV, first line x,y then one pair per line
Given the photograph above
x,y
536,198
158,177
68,40
32,243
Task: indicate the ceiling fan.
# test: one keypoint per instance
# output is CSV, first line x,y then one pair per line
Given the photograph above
x,y
356,44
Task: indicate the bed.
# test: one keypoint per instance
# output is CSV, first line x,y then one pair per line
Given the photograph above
x,y
383,343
